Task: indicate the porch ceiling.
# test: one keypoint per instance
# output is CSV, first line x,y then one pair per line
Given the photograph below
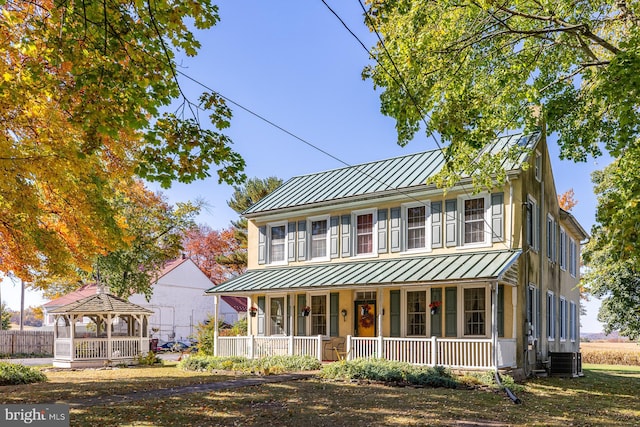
x,y
487,265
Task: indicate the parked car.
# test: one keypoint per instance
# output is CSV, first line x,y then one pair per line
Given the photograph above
x,y
174,346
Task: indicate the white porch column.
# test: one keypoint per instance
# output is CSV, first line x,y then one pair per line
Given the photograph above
x,y
215,327
380,298
514,305
494,323
72,330
109,343
249,318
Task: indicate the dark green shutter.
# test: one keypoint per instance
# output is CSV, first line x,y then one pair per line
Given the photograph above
x,y
501,311
394,308
451,312
382,231
436,319
436,224
302,325
261,316
262,245
334,306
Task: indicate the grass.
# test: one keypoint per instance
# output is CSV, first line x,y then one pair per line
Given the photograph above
x,y
605,396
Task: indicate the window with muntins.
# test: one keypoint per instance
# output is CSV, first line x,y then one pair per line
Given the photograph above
x,y
551,238
277,244
416,227
318,315
551,316
364,234
417,313
319,234
533,224
474,311
474,221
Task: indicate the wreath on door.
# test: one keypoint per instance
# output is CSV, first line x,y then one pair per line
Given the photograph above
x,y
366,318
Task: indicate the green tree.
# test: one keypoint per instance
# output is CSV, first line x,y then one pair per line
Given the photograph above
x,y
5,316
245,196
469,70
84,94
613,253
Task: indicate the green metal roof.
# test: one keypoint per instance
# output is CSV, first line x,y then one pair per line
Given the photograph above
x,y
397,173
423,269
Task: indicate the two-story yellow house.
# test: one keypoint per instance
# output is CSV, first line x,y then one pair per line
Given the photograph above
x,y
372,261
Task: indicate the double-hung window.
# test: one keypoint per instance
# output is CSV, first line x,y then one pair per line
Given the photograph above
x,y
573,258
417,222
475,221
365,232
475,311
319,315
319,238
551,238
563,319
563,249
277,243
417,313
551,316
533,224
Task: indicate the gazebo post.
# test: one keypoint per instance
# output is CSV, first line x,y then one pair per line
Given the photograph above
x,y
109,343
72,330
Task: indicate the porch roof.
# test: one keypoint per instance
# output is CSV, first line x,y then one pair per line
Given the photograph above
x,y
101,303
486,265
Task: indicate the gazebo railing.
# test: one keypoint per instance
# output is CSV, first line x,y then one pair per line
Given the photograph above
x,y
100,348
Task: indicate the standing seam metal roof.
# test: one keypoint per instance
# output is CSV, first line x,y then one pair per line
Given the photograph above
x,y
423,269
383,175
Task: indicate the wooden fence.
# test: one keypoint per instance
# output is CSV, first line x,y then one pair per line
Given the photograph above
x,y
26,342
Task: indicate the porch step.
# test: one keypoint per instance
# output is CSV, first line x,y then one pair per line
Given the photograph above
x,y
540,373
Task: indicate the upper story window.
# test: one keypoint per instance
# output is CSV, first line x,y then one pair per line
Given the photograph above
x,y
573,258
537,166
551,238
365,225
277,242
416,227
474,222
563,249
533,224
319,238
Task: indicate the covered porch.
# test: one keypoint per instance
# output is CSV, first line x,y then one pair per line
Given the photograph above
x,y
451,310
99,329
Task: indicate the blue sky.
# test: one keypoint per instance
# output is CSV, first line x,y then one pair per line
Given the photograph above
x,y
293,63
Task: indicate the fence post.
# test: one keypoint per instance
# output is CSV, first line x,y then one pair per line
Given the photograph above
x,y
319,347
434,351
380,347
252,346
290,345
215,342
348,347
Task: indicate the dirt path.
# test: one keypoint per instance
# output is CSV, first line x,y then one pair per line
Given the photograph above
x,y
117,399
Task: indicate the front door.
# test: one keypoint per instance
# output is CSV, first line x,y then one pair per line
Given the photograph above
x,y
365,318
277,316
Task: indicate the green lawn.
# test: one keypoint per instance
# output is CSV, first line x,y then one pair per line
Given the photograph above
x,y
606,395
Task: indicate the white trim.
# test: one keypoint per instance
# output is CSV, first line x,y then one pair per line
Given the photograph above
x,y
427,226
354,228
310,220
537,166
487,310
488,232
285,315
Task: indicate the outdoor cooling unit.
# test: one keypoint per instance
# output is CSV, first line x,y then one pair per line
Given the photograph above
x,y
566,364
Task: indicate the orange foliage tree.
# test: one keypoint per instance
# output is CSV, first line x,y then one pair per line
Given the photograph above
x,y
567,200
206,247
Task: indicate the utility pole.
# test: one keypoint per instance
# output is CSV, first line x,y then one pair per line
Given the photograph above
x,y
21,304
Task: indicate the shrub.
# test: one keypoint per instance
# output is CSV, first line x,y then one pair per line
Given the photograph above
x,y
148,359
487,378
266,365
389,371
11,374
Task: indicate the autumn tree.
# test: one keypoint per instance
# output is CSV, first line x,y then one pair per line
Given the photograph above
x,y
206,246
567,200
243,197
470,70
84,94
5,317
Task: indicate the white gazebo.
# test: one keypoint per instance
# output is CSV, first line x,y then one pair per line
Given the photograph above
x,y
99,329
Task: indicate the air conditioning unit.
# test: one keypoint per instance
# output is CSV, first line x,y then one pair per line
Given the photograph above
x,y
566,364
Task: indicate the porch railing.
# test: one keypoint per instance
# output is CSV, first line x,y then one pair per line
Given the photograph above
x,y
451,352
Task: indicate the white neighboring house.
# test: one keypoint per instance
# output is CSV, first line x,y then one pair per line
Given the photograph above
x,y
178,302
